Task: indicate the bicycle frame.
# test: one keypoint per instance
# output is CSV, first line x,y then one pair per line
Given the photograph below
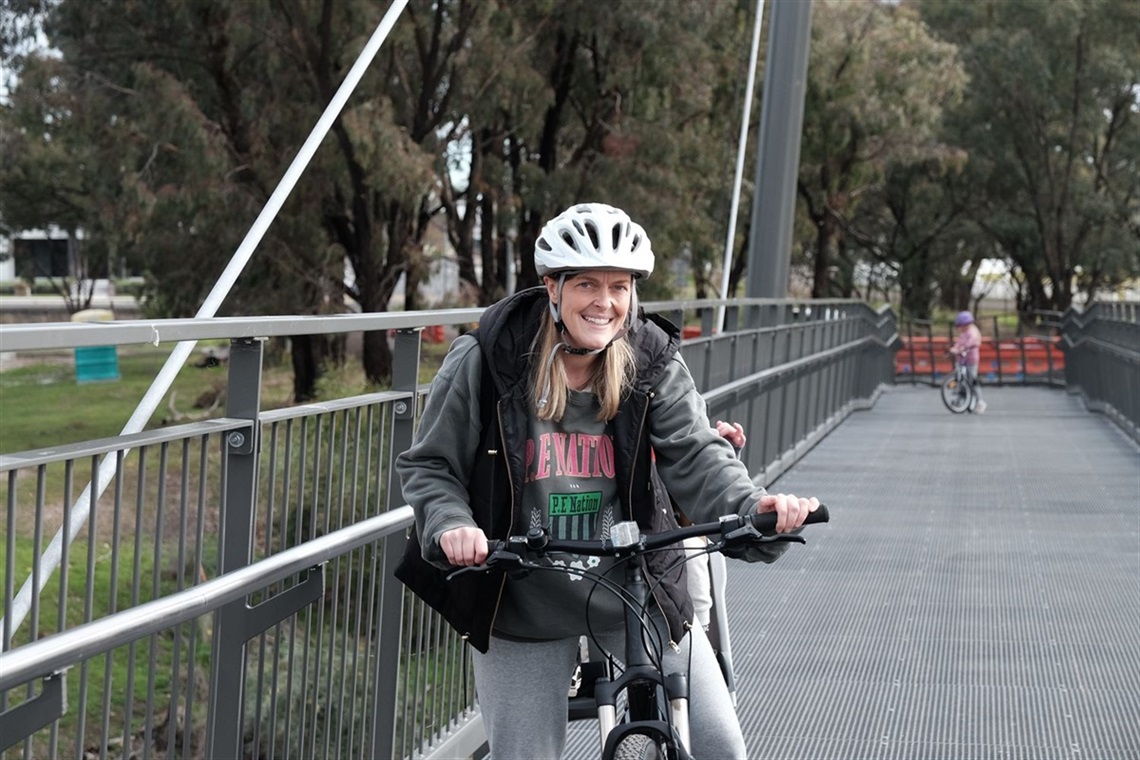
x,y
642,679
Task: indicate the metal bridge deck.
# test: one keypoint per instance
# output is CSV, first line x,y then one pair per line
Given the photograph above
x,y
976,595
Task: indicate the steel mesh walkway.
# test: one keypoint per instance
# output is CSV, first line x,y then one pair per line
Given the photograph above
x,y
977,594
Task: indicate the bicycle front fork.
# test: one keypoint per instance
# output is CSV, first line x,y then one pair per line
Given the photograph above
x,y
641,683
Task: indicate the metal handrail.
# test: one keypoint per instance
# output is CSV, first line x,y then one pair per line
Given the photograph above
x,y
43,658
60,335
760,380
56,335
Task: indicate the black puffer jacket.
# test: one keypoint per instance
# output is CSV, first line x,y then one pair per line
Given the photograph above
x,y
506,333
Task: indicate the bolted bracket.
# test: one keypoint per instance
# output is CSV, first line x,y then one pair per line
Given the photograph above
x,y
25,719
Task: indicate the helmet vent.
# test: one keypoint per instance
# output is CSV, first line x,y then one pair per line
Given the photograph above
x,y
543,244
617,230
569,240
636,242
592,231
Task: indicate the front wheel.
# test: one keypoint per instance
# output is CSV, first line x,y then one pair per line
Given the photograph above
x,y
956,393
638,747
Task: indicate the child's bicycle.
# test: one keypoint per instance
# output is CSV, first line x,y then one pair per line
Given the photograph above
x,y
655,723
958,389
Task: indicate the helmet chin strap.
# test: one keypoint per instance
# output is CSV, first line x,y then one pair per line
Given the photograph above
x,y
563,345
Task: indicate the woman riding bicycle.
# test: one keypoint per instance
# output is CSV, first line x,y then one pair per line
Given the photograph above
x,y
582,388
967,347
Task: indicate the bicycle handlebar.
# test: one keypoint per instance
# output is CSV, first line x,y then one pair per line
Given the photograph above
x,y
627,540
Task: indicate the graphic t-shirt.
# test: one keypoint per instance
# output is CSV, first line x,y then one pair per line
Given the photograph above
x,y
570,490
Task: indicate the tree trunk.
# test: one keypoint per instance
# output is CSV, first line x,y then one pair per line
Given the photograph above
x,y
914,285
490,291
529,228
826,251
307,356
377,360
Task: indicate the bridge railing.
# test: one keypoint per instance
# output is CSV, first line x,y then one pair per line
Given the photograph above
x,y
1102,360
1020,357
228,592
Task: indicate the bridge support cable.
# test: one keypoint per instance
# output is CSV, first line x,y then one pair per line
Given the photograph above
x,y
741,149
80,510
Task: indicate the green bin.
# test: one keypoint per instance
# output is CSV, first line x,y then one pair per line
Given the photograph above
x,y
94,364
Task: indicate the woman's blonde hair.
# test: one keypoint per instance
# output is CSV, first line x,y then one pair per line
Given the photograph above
x,y
613,372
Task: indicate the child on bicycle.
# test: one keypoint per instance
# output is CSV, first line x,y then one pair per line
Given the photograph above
x,y
583,387
967,346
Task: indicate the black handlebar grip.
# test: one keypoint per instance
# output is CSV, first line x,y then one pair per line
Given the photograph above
x,y
766,522
820,515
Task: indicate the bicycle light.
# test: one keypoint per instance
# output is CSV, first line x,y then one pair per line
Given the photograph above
x,y
625,534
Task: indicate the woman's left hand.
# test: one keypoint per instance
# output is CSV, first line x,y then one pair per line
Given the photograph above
x,y
791,510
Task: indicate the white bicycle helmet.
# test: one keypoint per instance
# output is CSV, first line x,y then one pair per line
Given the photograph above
x,y
592,236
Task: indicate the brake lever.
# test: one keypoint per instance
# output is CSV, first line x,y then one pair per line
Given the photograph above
x,y
780,538
508,562
747,534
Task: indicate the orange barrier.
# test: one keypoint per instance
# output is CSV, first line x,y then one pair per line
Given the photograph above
x,y
1011,358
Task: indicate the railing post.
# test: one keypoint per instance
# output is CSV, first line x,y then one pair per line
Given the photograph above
x,y
930,351
708,321
389,612
1048,341
997,352
910,347
1021,341
731,319
239,494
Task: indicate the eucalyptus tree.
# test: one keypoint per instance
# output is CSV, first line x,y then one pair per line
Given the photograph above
x,y
198,108
33,150
51,141
913,224
626,103
878,86
486,116
1050,123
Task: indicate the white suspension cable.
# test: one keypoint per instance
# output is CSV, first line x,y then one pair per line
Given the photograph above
x,y
740,151
80,511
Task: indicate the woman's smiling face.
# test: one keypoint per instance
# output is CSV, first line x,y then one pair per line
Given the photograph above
x,y
594,305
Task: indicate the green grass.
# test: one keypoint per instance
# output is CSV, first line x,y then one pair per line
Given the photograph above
x,y
42,405
103,691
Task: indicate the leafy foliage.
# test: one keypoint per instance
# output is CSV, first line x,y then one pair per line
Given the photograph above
x,y
1050,125
936,133
878,85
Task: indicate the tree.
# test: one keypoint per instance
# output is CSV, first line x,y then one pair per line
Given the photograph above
x,y
1049,123
573,104
913,222
878,84
555,102
209,102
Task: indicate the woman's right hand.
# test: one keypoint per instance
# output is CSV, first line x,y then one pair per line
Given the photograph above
x,y
464,547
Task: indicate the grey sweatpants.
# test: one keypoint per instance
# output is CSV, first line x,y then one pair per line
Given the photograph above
x,y
522,692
